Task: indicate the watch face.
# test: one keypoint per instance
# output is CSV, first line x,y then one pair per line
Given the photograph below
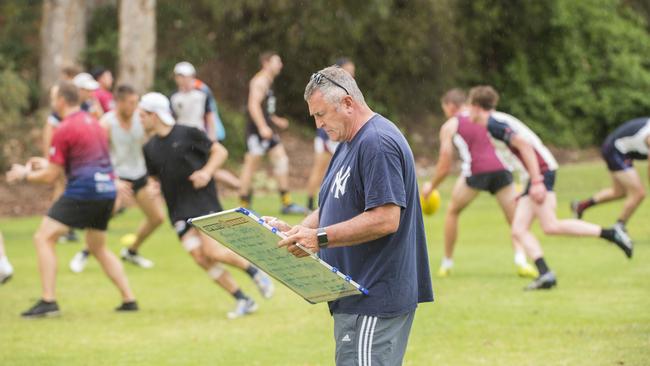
x,y
322,238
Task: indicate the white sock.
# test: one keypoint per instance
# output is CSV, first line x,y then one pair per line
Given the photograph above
x,y
5,266
520,259
447,263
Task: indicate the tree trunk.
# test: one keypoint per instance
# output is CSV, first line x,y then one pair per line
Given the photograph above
x,y
137,44
63,37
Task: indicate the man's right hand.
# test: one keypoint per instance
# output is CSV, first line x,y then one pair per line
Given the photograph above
x,y
537,192
427,188
124,189
266,133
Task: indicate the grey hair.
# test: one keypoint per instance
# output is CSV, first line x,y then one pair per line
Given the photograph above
x,y
332,92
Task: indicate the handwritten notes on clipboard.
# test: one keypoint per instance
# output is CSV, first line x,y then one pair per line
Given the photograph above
x,y
247,235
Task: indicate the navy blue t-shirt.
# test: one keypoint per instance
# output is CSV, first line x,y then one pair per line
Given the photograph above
x,y
374,169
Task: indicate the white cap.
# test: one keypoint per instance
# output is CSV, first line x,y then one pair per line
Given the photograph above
x,y
158,104
184,68
85,81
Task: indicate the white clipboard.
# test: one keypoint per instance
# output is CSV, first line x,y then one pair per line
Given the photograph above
x,y
250,237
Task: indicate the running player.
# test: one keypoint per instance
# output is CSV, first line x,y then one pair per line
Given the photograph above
x,y
52,122
183,159
6,270
324,148
627,143
194,105
126,136
103,94
482,170
80,150
261,138
538,200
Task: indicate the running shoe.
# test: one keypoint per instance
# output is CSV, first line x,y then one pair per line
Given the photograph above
x,y
527,270
42,309
576,210
79,261
6,270
243,308
543,282
264,284
623,240
294,209
136,259
127,306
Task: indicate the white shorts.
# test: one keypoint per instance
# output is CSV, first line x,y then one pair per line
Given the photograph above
x,y
258,146
324,146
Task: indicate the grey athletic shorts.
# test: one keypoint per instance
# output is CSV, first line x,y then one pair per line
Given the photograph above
x,y
363,340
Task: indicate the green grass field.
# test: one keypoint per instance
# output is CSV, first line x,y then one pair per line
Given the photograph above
x,y
598,315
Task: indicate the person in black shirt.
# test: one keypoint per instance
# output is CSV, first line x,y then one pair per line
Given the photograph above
x,y
184,159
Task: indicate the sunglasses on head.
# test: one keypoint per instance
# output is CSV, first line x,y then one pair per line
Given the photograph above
x,y
317,77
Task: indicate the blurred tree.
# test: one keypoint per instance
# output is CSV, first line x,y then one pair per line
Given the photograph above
x,y
137,43
63,38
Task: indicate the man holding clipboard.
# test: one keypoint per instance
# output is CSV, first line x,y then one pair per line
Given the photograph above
x,y
369,224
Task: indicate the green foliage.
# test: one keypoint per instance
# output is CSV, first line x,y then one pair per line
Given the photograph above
x,y
102,39
573,70
15,127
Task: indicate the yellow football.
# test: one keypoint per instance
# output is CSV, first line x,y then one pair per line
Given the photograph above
x,y
128,239
431,204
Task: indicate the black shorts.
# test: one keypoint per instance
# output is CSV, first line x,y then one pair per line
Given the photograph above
x,y
616,160
82,214
136,184
491,182
549,182
256,145
181,226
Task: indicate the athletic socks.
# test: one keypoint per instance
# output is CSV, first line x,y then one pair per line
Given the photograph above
x,y
621,223
608,234
239,295
310,203
583,205
285,197
447,263
520,259
540,263
132,251
85,252
252,270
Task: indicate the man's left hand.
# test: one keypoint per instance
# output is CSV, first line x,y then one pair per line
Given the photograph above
x,y
200,179
303,235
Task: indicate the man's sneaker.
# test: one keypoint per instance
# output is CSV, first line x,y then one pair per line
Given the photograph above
x,y
6,270
543,282
622,240
527,270
577,211
243,308
264,284
294,209
136,259
444,272
128,306
42,309
79,262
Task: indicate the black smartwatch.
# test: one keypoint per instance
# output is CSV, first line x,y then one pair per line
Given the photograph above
x,y
322,238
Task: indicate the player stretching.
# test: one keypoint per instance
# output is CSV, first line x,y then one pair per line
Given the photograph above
x,y
184,160
627,143
126,136
481,171
538,200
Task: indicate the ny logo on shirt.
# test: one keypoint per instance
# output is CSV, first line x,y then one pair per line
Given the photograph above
x,y
338,186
